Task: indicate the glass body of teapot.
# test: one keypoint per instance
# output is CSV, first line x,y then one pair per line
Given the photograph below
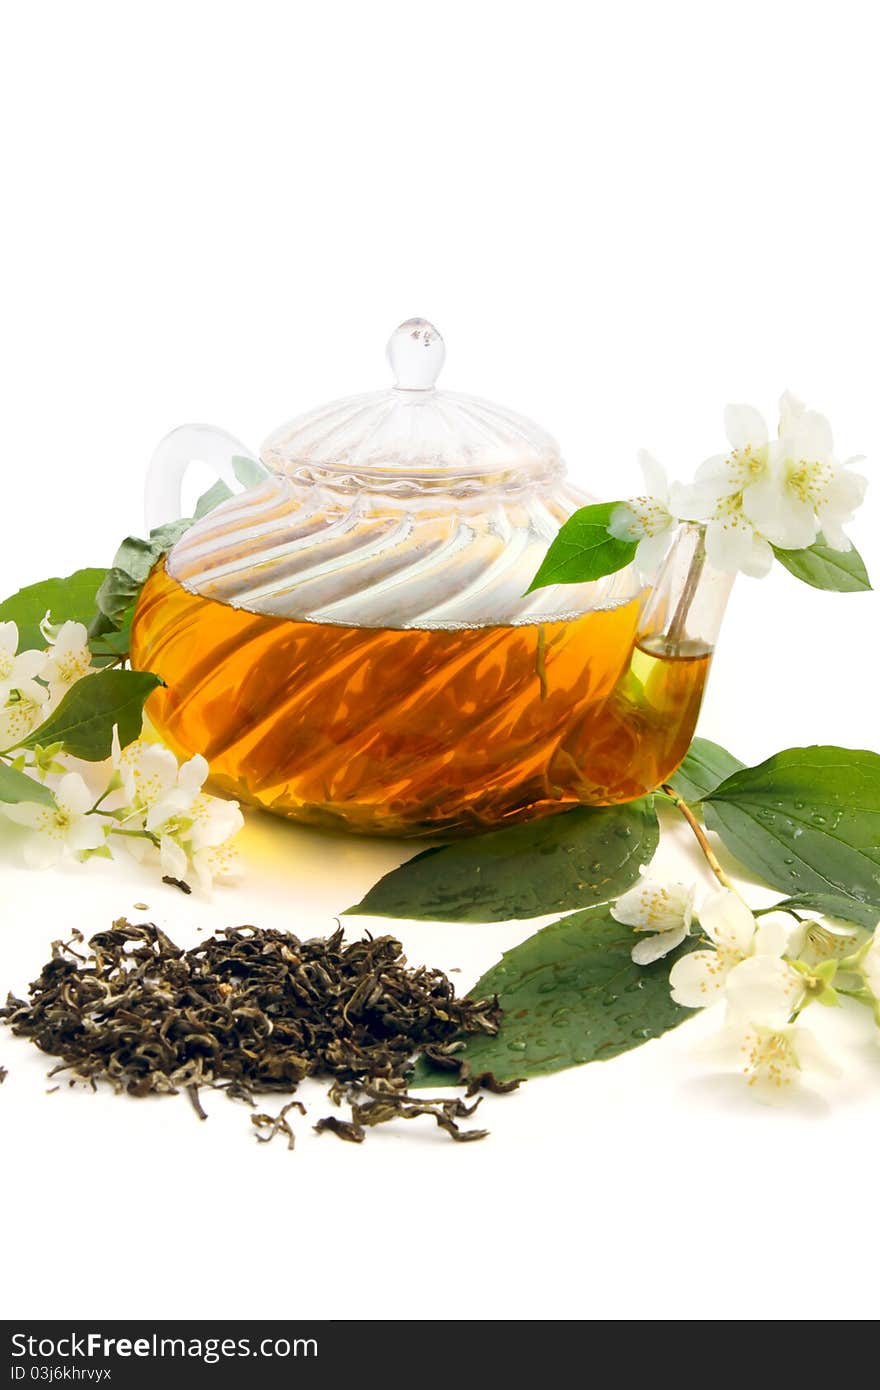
x,y
349,641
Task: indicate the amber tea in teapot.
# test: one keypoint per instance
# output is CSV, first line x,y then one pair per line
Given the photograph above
x,y
350,642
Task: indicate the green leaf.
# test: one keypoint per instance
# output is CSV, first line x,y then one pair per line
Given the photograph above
x,y
102,852
818,565
570,994
71,599
84,720
17,786
248,471
115,596
132,564
705,765
833,905
136,556
113,643
583,549
806,821
211,499
587,855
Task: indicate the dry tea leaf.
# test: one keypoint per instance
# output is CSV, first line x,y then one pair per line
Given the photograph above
x,y
277,1124
249,1012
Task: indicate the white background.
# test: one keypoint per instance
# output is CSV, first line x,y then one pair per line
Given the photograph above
x,y
620,217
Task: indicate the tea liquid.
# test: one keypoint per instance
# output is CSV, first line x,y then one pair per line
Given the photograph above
x,y
415,731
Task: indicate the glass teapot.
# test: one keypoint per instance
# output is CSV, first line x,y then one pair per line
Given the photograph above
x,y
350,642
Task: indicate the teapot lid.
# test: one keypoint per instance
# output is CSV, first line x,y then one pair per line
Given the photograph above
x,y
408,507
412,433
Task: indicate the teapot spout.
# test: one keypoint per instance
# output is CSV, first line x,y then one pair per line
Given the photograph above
x,y
683,613
235,466
630,742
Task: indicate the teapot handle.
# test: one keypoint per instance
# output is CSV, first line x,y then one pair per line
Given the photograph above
x,y
234,465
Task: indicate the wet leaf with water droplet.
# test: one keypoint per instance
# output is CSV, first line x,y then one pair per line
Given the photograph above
x,y
807,821
834,905
587,955
585,856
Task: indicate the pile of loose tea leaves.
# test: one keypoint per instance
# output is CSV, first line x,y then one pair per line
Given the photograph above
x,y
250,1011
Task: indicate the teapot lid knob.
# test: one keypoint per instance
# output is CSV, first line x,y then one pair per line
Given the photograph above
x,y
416,353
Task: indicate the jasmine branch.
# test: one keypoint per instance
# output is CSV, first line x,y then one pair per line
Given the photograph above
x,y
699,833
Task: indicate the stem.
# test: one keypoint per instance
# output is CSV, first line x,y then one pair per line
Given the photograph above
x,y
864,995
138,835
700,834
775,907
688,593
103,797
9,756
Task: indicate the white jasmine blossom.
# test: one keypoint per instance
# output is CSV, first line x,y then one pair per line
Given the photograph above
x,y
720,492
648,519
664,909
170,817
22,712
218,862
764,992
68,659
765,987
767,492
146,770
813,942
804,490
192,826
773,1057
148,801
735,473
60,830
699,978
18,670
215,821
